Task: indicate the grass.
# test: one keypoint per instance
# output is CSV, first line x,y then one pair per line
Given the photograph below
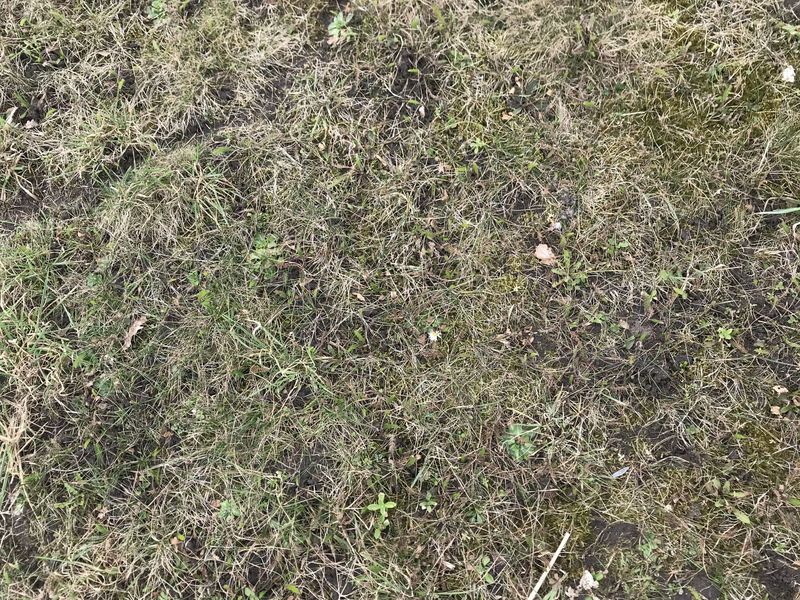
x,y
272,323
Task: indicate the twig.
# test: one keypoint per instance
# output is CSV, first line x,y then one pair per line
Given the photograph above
x,y
549,566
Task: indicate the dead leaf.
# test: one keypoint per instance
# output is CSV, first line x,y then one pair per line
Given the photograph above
x,y
780,390
135,328
545,255
775,410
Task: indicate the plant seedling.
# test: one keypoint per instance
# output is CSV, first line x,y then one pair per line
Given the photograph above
x,y
382,507
571,272
228,511
518,441
267,255
428,504
338,29
484,569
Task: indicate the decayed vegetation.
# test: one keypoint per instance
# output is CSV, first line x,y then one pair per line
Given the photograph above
x,y
380,299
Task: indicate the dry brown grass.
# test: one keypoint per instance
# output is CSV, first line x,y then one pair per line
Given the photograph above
x,y
333,246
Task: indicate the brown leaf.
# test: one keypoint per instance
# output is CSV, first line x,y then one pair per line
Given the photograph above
x,y
545,255
135,328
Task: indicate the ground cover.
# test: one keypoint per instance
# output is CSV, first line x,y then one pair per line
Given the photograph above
x,y
380,299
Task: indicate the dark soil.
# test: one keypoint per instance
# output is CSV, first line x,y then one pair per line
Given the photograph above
x,y
519,201
260,572
23,207
665,443
699,584
781,578
617,534
607,536
791,10
278,79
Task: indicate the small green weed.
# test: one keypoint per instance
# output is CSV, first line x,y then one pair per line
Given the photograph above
x,y
518,441
725,497
649,547
615,246
572,273
267,255
229,511
477,145
339,30
157,10
725,334
483,568
382,507
428,504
